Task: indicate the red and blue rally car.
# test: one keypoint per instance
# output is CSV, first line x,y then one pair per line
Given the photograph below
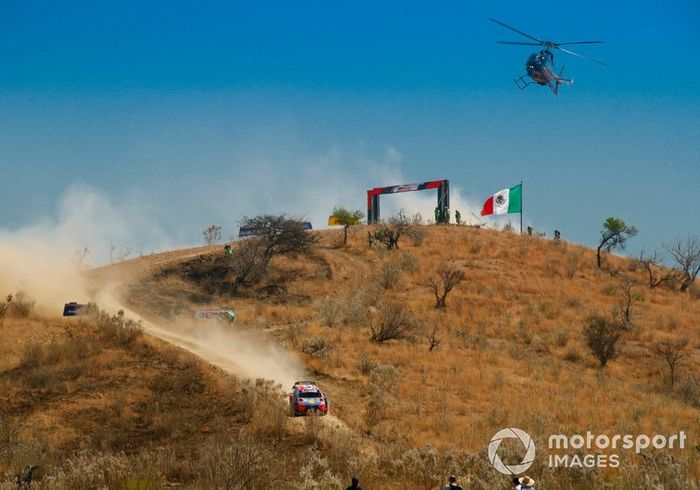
x,y
307,397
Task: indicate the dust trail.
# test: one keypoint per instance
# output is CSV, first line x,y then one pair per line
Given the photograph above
x,y
236,351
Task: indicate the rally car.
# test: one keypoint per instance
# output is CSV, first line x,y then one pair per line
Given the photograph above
x,y
75,309
307,397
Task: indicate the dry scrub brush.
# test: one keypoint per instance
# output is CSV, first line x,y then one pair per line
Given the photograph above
x,y
393,321
447,278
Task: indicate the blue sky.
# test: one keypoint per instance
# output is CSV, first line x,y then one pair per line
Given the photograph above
x,y
179,115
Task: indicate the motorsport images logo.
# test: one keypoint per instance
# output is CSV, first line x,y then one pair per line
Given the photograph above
x,y
511,433
587,450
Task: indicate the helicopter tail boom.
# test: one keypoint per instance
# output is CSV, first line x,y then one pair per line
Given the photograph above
x,y
560,78
557,80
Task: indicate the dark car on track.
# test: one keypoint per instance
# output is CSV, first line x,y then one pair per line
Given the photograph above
x,y
307,397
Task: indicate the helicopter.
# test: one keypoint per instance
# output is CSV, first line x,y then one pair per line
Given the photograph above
x,y
540,66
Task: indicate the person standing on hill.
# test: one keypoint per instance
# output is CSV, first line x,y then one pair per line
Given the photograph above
x,y
437,214
458,217
447,216
452,484
355,484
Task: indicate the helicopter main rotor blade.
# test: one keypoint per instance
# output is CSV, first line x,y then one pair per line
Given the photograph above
x,y
580,42
518,43
580,56
516,30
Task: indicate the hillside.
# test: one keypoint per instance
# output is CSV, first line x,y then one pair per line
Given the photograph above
x,y
509,352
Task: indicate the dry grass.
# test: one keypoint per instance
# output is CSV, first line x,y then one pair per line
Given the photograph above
x,y
514,333
512,354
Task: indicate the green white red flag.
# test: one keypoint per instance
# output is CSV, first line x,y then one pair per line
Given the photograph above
x,y
504,202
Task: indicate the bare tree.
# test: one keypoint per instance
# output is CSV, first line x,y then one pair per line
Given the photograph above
x,y
673,353
393,321
248,264
212,234
686,254
120,256
601,338
390,232
614,235
623,311
652,264
447,278
80,256
431,334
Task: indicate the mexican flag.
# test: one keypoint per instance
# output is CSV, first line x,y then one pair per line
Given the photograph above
x,y
504,202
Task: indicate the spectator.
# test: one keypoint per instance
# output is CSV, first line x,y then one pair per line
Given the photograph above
x,y
526,483
355,484
452,484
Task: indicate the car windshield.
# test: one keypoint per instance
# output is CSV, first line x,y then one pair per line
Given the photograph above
x,y
309,394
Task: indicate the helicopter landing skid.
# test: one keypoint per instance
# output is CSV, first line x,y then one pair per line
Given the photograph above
x,y
521,83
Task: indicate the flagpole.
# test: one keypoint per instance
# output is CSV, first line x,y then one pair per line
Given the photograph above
x,y
521,208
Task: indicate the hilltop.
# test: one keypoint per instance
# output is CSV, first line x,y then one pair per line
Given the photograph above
x,y
508,351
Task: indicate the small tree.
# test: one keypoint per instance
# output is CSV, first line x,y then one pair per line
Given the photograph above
x,y
212,234
686,254
346,219
623,311
390,232
275,235
614,235
447,278
248,265
279,234
673,353
393,321
652,265
431,334
601,338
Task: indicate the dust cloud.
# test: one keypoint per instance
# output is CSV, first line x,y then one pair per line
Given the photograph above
x,y
240,352
45,261
233,348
